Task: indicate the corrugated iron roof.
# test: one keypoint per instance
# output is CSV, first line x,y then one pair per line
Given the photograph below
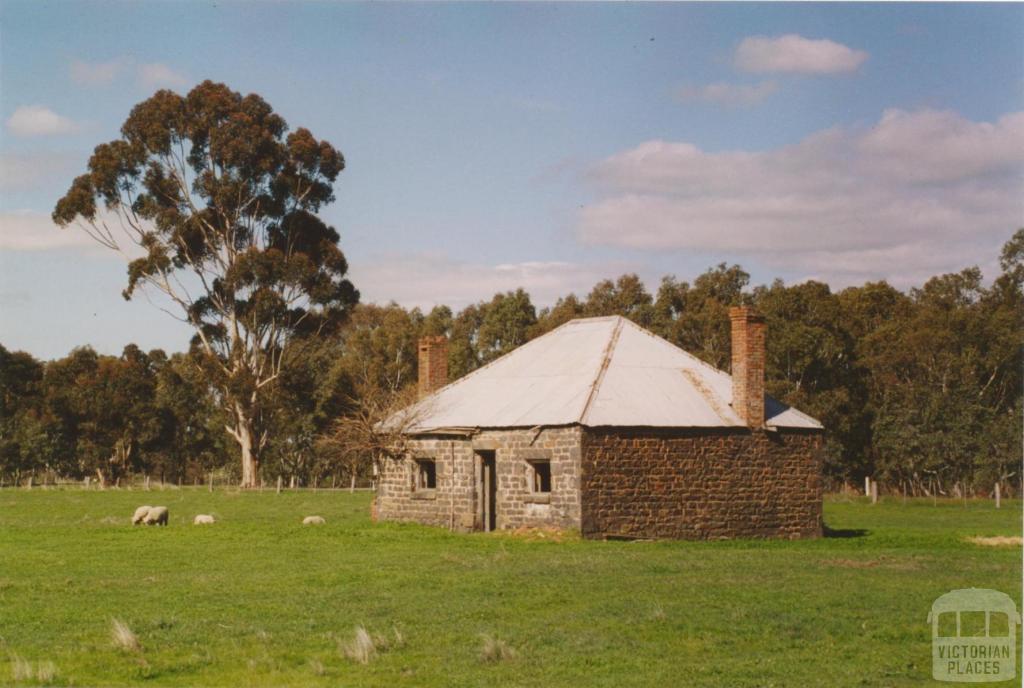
x,y
594,372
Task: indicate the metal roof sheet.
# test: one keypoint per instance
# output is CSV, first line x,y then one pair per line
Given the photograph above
x,y
594,372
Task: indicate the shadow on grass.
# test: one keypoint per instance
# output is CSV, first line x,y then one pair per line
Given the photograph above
x,y
844,532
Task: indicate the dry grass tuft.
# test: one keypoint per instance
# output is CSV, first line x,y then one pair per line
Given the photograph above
x,y
658,614
360,648
363,647
46,671
21,669
998,541
495,650
317,667
123,637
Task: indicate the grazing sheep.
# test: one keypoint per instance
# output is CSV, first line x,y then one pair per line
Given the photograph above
x,y
158,515
140,515
203,519
313,521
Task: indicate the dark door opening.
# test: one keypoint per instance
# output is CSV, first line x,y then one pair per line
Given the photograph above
x,y
487,490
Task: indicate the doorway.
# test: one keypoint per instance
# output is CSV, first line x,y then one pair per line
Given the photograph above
x,y
487,490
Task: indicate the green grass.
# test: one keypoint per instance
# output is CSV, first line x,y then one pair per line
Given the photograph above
x,y
258,599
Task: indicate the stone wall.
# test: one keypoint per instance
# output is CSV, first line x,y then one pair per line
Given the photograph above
x,y
454,503
701,484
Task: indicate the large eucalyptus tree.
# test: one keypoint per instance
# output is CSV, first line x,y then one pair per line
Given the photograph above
x,y
220,202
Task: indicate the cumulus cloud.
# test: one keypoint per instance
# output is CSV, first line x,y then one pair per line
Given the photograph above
x,y
159,75
428,279
36,120
34,231
27,230
794,53
732,95
918,189
19,171
97,73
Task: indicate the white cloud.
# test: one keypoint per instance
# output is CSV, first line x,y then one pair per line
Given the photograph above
x,y
36,120
428,279
793,53
33,231
97,73
918,190
732,95
20,171
159,75
26,230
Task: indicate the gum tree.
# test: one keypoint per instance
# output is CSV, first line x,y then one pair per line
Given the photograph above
x,y
216,203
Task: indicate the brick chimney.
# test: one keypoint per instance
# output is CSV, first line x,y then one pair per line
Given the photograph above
x,y
433,364
748,365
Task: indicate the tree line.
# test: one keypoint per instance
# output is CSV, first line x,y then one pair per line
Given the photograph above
x,y
919,389
219,201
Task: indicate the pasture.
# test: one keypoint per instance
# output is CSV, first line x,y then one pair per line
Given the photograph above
x,y
258,599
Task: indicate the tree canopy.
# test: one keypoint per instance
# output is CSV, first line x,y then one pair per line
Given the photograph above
x,y
220,200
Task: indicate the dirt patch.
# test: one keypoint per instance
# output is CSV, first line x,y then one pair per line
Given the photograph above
x,y
997,541
543,534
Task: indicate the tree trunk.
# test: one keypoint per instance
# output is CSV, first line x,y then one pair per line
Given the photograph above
x,y
352,483
243,434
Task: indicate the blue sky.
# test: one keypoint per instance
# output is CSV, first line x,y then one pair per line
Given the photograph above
x,y
491,146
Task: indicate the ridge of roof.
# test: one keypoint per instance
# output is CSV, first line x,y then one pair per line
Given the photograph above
x,y
606,359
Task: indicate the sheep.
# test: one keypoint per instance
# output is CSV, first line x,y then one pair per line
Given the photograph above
x,y
158,515
313,521
203,519
140,515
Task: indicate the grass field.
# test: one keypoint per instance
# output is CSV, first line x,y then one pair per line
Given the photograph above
x,y
258,599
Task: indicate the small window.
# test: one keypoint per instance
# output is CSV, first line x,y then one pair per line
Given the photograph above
x,y
539,476
426,474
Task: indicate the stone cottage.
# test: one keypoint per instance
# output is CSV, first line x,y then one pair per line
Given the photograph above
x,y
602,426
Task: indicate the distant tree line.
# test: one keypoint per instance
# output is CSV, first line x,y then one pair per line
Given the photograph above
x,y
921,390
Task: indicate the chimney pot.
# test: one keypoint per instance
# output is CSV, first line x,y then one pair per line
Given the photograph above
x,y
748,357
433,363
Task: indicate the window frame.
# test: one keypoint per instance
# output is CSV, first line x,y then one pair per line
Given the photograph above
x,y
533,476
422,476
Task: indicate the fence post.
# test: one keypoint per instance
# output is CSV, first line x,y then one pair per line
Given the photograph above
x,y
147,482
211,482
997,495
867,485
278,485
874,492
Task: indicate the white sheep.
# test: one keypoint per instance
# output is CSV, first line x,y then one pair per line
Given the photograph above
x,y
313,521
140,515
158,515
203,519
